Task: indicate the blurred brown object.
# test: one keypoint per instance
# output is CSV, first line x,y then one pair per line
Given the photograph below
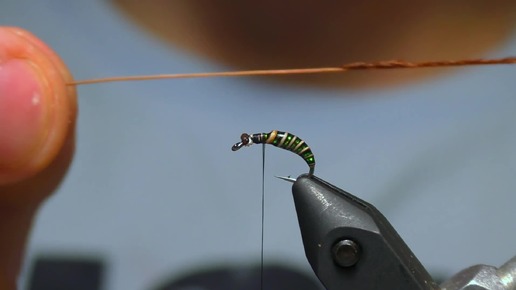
x,y
301,33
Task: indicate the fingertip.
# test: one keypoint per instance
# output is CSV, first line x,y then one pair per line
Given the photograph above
x,y
37,108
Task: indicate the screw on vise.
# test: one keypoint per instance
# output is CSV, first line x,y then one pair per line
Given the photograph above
x,y
345,253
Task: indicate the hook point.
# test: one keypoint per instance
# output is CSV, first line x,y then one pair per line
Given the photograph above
x,y
287,178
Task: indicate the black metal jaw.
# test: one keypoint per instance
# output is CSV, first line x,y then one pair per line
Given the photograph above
x,y
350,244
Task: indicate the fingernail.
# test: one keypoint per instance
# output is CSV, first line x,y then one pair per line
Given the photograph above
x,y
22,116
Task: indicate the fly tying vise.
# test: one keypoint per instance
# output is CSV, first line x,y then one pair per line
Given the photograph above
x,y
280,139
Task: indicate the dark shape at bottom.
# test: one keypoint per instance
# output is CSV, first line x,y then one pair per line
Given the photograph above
x,y
66,273
237,278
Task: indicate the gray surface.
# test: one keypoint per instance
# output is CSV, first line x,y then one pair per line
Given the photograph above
x,y
484,277
437,158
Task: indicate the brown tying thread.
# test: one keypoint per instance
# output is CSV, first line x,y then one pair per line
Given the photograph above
x,y
389,64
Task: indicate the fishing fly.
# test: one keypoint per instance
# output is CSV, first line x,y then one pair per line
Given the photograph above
x,y
283,140
280,139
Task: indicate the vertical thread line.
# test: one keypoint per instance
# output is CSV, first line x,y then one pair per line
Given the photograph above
x,y
263,214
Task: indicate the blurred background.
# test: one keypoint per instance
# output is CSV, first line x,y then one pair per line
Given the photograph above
x,y
155,199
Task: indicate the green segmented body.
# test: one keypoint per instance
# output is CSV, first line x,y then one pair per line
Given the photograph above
x,y
283,140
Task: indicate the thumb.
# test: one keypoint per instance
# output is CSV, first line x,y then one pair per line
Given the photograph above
x,y
37,116
36,107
